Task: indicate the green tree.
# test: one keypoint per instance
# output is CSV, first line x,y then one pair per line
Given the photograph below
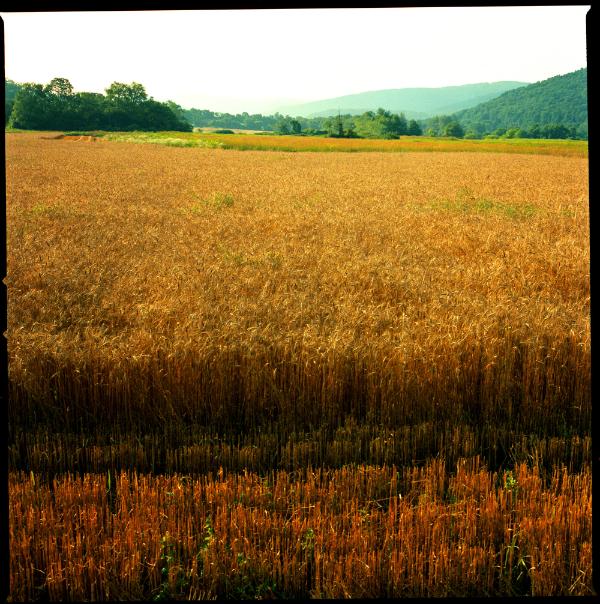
x,y
177,110
454,129
154,116
60,87
124,106
436,125
413,128
382,124
335,126
88,109
582,129
393,125
513,133
31,109
10,92
283,126
60,97
556,131
339,126
126,94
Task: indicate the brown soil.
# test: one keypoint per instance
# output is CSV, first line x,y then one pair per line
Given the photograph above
x,y
87,139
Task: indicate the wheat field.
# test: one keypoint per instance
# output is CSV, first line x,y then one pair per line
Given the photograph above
x,y
359,532
273,142
189,311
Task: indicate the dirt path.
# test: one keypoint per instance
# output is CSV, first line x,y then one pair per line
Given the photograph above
x,y
86,138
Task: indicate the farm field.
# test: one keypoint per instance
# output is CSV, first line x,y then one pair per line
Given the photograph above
x,y
237,373
263,142
244,141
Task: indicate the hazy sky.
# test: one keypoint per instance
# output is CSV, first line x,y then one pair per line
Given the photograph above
x,y
259,60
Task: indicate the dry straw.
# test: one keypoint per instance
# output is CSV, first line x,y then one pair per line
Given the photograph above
x,y
356,532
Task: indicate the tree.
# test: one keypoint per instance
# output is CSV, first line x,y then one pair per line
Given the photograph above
x,y
393,125
8,107
454,129
176,109
10,92
436,125
125,107
283,126
179,113
350,132
56,106
382,124
582,130
339,126
154,116
60,87
126,94
88,109
556,131
31,108
513,133
60,102
296,126
335,126
413,128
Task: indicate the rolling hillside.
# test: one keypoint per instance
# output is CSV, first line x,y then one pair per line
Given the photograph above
x,y
561,99
415,103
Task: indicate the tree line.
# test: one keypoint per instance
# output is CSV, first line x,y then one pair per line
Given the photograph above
x,y
371,124
379,124
127,107
447,125
56,106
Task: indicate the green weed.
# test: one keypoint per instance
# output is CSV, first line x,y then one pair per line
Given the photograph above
x,y
466,202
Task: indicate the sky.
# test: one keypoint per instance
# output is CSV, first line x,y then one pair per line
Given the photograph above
x,y
265,59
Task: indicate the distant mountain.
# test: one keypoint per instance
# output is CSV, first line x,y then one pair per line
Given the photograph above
x,y
415,103
561,99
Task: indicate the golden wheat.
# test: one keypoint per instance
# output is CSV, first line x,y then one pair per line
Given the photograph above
x,y
423,317
238,286
274,142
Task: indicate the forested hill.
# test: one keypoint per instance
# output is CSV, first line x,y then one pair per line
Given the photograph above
x,y
560,100
413,102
